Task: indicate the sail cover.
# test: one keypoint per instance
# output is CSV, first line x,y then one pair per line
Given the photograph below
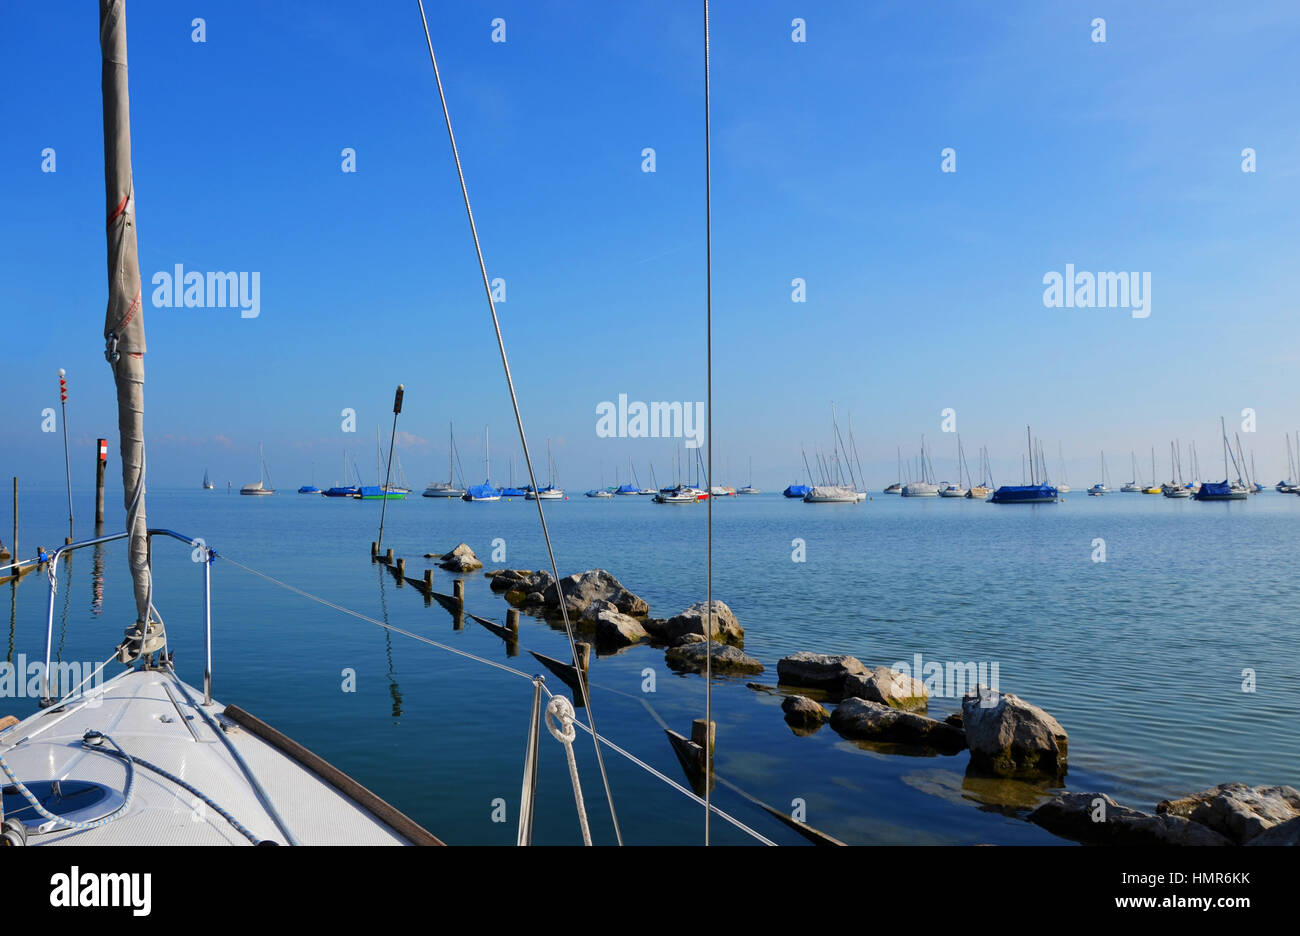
x,y
124,320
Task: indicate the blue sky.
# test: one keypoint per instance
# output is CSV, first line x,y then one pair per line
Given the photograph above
x,y
924,288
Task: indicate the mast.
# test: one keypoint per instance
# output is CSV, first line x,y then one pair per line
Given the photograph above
x,y
1030,439
451,446
487,455
1223,432
124,315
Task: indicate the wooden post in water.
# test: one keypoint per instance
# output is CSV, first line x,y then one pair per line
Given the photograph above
x,y
584,657
101,463
512,620
401,570
388,557
428,580
14,544
374,551
67,461
704,733
458,592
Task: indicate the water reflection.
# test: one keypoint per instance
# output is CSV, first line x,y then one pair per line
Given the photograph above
x,y
97,578
393,689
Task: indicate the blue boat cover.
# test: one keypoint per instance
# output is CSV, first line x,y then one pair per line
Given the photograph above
x,y
479,491
1024,494
627,489
512,492
1214,489
796,490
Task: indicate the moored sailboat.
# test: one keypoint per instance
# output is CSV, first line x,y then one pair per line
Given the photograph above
x,y
263,484
1034,492
1225,489
1102,486
926,487
447,488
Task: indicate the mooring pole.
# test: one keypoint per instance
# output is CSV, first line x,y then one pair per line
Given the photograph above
x,y
101,463
397,409
67,463
15,540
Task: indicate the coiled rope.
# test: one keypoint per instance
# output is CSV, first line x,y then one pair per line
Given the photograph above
x,y
92,741
203,797
559,722
56,821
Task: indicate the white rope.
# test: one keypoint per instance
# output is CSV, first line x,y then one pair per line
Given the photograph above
x,y
559,722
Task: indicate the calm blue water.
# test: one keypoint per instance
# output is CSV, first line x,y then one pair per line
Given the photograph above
x,y
1140,657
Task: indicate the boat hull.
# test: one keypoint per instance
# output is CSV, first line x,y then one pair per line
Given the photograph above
x,y
139,709
1025,494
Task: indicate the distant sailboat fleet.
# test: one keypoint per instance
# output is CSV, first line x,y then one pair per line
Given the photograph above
x,y
838,478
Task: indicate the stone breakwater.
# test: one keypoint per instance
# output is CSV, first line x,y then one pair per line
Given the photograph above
x,y
1008,738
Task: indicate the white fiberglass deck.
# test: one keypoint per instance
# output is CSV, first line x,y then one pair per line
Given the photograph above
x,y
167,730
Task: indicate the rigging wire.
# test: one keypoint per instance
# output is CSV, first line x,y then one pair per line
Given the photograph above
x,y
600,739
519,421
357,614
708,486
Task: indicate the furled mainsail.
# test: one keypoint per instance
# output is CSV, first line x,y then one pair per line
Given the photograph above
x,y
124,320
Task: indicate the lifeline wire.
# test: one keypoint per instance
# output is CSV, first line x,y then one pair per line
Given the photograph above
x,y
519,421
708,344
599,739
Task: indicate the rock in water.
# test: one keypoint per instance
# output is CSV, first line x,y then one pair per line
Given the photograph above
x,y
521,580
803,714
727,660
1236,810
1286,833
887,686
1009,737
1096,819
614,629
818,671
460,559
595,585
873,721
726,629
